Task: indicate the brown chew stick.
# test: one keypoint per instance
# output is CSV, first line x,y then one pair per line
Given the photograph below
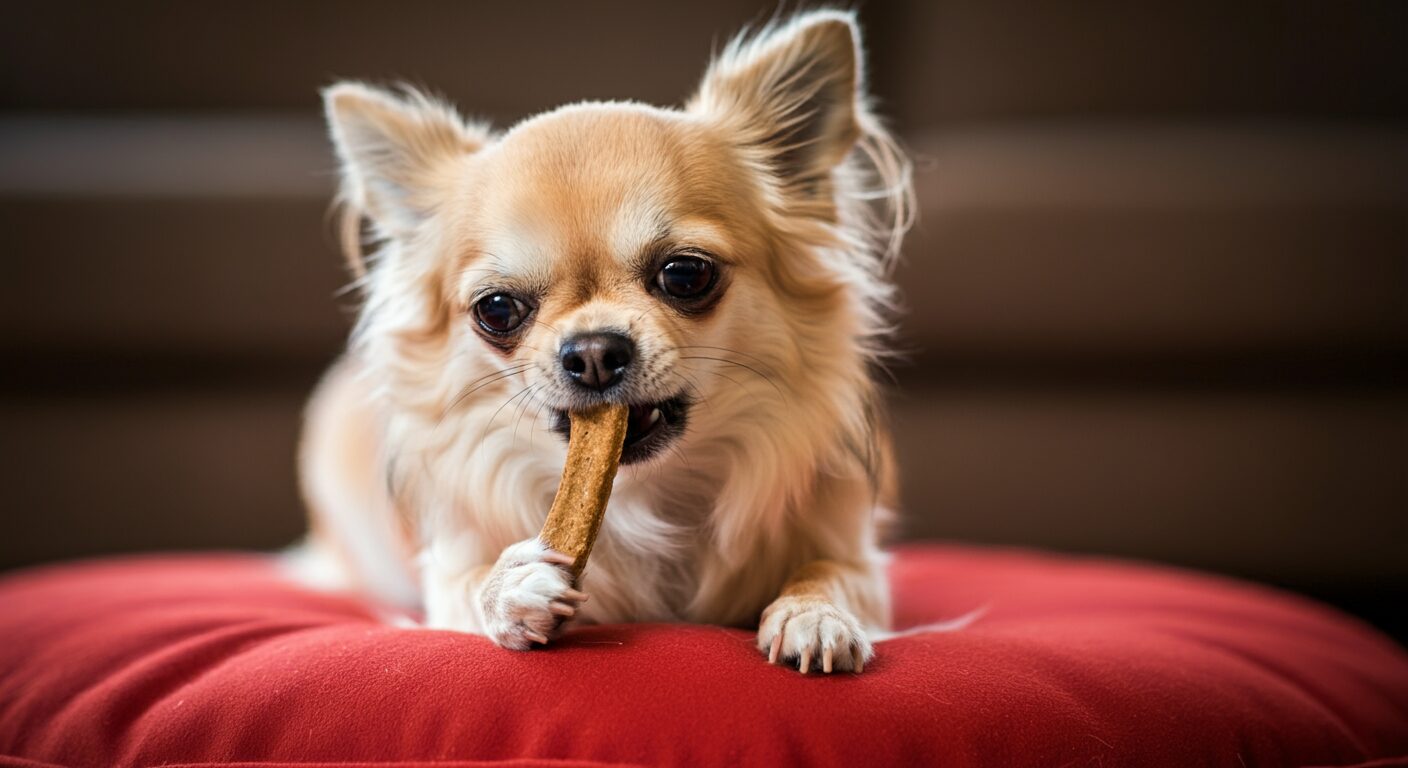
x,y
593,453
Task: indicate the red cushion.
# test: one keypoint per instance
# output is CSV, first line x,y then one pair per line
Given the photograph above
x,y
197,660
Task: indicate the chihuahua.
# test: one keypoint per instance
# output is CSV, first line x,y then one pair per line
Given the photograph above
x,y
721,268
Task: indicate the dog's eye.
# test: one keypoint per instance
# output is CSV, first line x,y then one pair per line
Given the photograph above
x,y
500,313
686,277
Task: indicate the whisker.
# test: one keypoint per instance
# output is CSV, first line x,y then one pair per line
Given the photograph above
x,y
526,390
744,366
761,362
522,409
684,459
511,370
490,424
471,388
693,385
534,426
725,377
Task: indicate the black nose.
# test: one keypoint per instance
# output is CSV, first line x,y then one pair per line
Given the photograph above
x,y
597,360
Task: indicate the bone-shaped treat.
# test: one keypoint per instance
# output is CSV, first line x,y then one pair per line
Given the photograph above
x,y
593,454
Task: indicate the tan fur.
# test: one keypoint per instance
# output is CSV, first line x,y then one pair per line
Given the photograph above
x,y
772,495
350,517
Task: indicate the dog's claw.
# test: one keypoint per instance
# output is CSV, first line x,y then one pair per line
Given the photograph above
x,y
561,609
536,637
577,595
553,556
859,657
805,665
826,661
775,650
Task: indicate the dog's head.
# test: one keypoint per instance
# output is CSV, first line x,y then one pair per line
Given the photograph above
x,y
700,264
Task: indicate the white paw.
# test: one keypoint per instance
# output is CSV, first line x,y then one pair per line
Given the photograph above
x,y
812,632
527,595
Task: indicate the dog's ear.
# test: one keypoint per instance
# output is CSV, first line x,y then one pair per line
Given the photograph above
x,y
395,150
790,93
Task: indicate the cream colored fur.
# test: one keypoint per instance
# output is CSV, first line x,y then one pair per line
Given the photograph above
x,y
427,439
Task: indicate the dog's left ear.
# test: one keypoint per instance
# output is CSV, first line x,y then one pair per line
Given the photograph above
x,y
791,94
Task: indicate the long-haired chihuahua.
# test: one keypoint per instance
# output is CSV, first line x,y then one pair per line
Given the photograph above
x,y
722,268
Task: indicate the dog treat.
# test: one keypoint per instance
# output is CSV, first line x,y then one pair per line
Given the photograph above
x,y
593,453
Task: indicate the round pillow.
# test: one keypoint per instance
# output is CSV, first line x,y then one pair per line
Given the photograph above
x,y
208,660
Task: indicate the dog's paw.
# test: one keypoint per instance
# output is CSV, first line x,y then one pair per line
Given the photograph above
x,y
527,595
813,632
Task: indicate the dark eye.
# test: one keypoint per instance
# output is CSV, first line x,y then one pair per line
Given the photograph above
x,y
500,313
686,277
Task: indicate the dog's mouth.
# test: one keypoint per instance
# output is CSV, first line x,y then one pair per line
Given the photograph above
x,y
651,427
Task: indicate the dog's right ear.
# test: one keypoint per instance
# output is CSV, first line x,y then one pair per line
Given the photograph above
x,y
396,151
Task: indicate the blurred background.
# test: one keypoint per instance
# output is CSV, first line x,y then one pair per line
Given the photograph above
x,y
1158,292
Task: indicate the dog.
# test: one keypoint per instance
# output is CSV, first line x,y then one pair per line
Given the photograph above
x,y
723,268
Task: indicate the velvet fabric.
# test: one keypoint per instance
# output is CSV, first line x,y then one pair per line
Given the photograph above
x,y
218,660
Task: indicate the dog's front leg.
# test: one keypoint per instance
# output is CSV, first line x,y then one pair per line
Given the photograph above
x,y
519,600
821,616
